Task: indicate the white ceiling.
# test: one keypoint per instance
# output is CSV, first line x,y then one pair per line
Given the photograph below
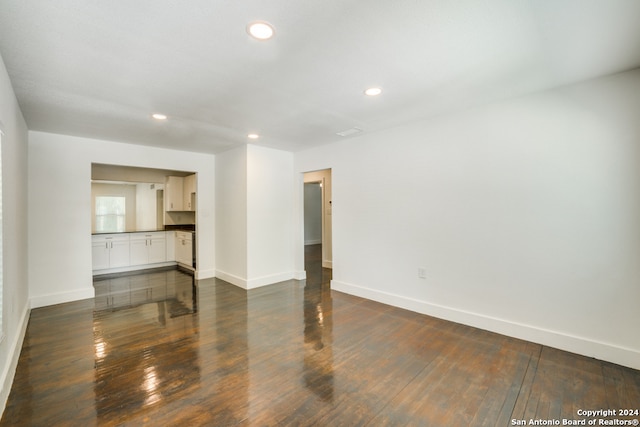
x,y
101,68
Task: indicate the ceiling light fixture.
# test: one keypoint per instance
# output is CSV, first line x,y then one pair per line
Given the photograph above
x,y
373,91
253,136
260,30
159,116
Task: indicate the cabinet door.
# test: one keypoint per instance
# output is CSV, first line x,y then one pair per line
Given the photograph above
x,y
119,255
184,251
100,254
173,190
189,193
170,242
157,249
139,251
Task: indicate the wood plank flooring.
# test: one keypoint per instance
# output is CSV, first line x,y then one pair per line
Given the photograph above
x,y
166,351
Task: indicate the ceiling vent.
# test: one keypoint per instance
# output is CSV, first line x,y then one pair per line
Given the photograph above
x,y
349,132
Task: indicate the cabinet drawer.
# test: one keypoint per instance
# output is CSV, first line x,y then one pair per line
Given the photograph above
x,y
149,235
184,235
120,237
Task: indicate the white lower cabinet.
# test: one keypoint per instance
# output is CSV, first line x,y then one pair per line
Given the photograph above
x,y
184,248
148,248
110,251
118,252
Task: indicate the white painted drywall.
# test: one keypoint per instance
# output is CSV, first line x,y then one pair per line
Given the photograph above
x,y
254,211
60,221
146,206
269,216
525,215
231,216
15,309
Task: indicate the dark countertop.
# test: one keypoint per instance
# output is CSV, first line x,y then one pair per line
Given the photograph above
x,y
183,227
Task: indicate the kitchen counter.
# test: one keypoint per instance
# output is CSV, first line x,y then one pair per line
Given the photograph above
x,y
128,231
183,227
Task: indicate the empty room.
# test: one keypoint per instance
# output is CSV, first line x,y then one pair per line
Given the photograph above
x,y
320,213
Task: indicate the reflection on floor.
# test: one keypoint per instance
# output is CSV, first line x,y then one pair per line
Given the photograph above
x,y
161,349
171,288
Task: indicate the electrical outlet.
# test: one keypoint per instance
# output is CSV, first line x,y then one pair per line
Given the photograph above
x,y
422,273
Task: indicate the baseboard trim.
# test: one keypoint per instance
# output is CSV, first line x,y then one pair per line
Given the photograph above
x,y
270,279
205,274
313,242
257,281
9,369
61,297
140,267
560,340
300,275
234,280
327,264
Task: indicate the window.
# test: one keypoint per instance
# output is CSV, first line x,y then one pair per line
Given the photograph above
x,y
110,214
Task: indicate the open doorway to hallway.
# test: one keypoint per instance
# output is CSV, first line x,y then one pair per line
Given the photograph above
x,y
317,218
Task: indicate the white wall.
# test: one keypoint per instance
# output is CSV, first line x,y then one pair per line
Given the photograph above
x,y
15,310
231,216
525,215
60,221
147,206
270,213
255,213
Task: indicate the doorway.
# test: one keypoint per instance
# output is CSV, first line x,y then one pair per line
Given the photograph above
x,y
318,217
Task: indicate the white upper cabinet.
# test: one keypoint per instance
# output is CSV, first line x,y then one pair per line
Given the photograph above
x,y
180,193
189,193
173,193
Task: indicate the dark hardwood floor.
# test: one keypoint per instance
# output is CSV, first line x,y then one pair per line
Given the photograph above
x,y
160,350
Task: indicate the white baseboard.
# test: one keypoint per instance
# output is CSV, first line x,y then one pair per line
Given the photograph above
x,y
205,274
234,280
134,268
257,282
300,275
327,264
313,242
9,369
560,340
61,297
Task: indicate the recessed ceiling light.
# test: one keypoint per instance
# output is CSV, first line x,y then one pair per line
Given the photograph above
x,y
373,91
260,30
253,136
159,116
